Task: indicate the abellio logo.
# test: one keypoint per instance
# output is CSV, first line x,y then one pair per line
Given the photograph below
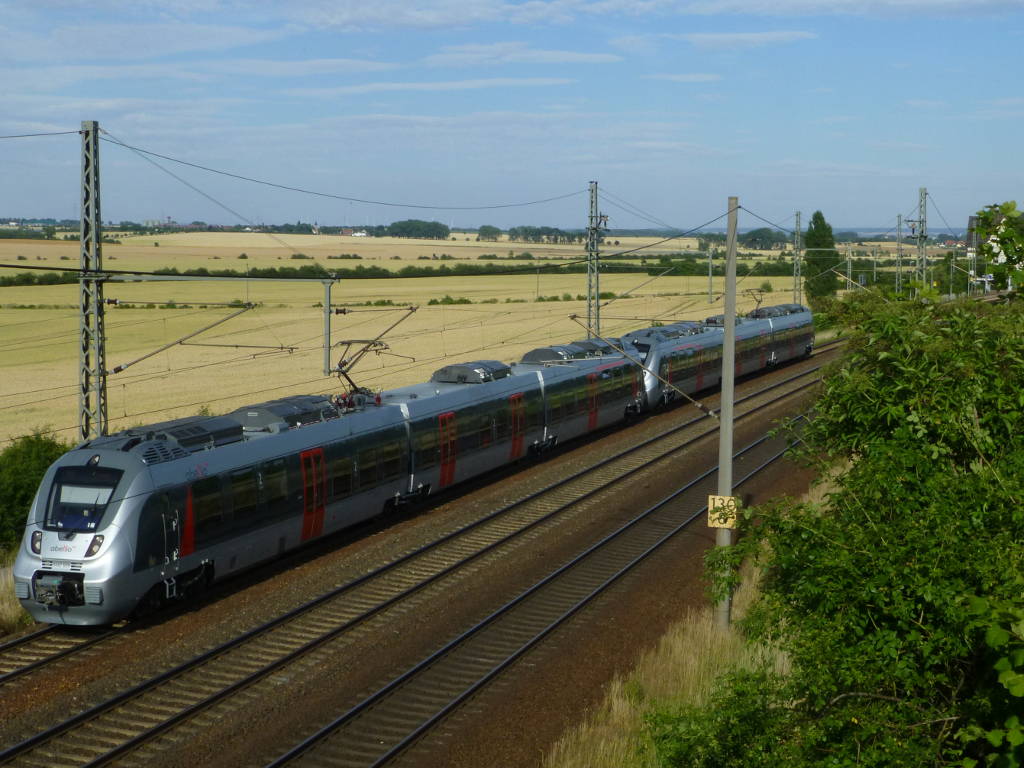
x,y
62,548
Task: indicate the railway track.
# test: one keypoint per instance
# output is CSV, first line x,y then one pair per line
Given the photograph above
x,y
44,646
127,727
388,721
50,644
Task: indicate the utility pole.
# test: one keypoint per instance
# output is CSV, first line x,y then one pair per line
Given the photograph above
x,y
327,325
596,224
849,266
92,395
922,236
899,254
919,228
720,506
797,277
711,299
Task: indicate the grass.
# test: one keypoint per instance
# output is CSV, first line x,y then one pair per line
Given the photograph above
x,y
12,615
680,671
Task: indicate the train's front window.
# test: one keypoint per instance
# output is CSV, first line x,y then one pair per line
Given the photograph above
x,y
79,498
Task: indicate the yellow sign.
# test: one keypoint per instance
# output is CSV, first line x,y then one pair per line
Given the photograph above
x,y
722,511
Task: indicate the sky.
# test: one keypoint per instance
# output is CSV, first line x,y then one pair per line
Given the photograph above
x,y
501,112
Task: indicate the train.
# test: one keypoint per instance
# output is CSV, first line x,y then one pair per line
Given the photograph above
x,y
154,514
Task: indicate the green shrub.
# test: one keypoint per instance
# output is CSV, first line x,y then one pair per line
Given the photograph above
x,y
22,465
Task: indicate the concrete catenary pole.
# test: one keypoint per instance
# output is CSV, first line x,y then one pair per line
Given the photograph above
x,y
797,267
723,536
899,254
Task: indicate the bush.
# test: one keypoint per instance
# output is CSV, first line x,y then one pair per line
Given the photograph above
x,y
899,603
22,466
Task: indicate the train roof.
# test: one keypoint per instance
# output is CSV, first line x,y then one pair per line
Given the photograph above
x,y
476,372
597,347
556,353
660,333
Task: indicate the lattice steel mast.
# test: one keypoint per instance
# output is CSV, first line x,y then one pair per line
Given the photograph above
x,y
596,223
92,396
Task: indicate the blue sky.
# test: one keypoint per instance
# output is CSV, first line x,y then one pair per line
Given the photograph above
x,y
847,106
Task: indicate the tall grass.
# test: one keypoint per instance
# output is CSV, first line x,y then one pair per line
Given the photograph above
x,y
680,671
12,615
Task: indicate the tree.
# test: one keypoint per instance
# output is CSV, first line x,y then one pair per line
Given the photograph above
x,y
487,232
821,258
898,602
426,230
763,239
22,465
1000,231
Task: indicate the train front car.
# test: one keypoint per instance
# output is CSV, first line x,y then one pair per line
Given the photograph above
x,y
74,565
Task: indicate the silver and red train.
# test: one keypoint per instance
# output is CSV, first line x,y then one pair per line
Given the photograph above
x,y
153,513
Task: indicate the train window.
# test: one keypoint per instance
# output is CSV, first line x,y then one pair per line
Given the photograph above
x,y
485,425
503,420
369,471
242,484
79,498
390,455
534,411
274,479
555,399
426,445
209,510
339,470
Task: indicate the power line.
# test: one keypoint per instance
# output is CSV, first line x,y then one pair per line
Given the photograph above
x,y
766,221
951,230
29,135
327,276
344,197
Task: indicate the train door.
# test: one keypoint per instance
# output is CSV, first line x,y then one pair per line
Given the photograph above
x,y
159,535
517,414
313,492
172,521
592,400
447,437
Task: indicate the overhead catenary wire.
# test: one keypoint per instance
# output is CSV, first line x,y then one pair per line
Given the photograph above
x,y
31,135
346,198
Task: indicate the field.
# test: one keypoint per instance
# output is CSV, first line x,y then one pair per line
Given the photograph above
x,y
276,349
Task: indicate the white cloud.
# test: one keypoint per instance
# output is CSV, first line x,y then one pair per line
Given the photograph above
x,y
685,78
125,42
476,54
1013,101
926,103
299,68
743,40
900,146
450,85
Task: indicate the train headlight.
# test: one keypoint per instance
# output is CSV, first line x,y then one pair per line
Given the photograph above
x,y
37,541
94,546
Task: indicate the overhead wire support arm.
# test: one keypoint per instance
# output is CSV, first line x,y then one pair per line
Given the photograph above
x,y
119,368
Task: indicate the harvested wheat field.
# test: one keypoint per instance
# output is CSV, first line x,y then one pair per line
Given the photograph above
x,y
276,349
